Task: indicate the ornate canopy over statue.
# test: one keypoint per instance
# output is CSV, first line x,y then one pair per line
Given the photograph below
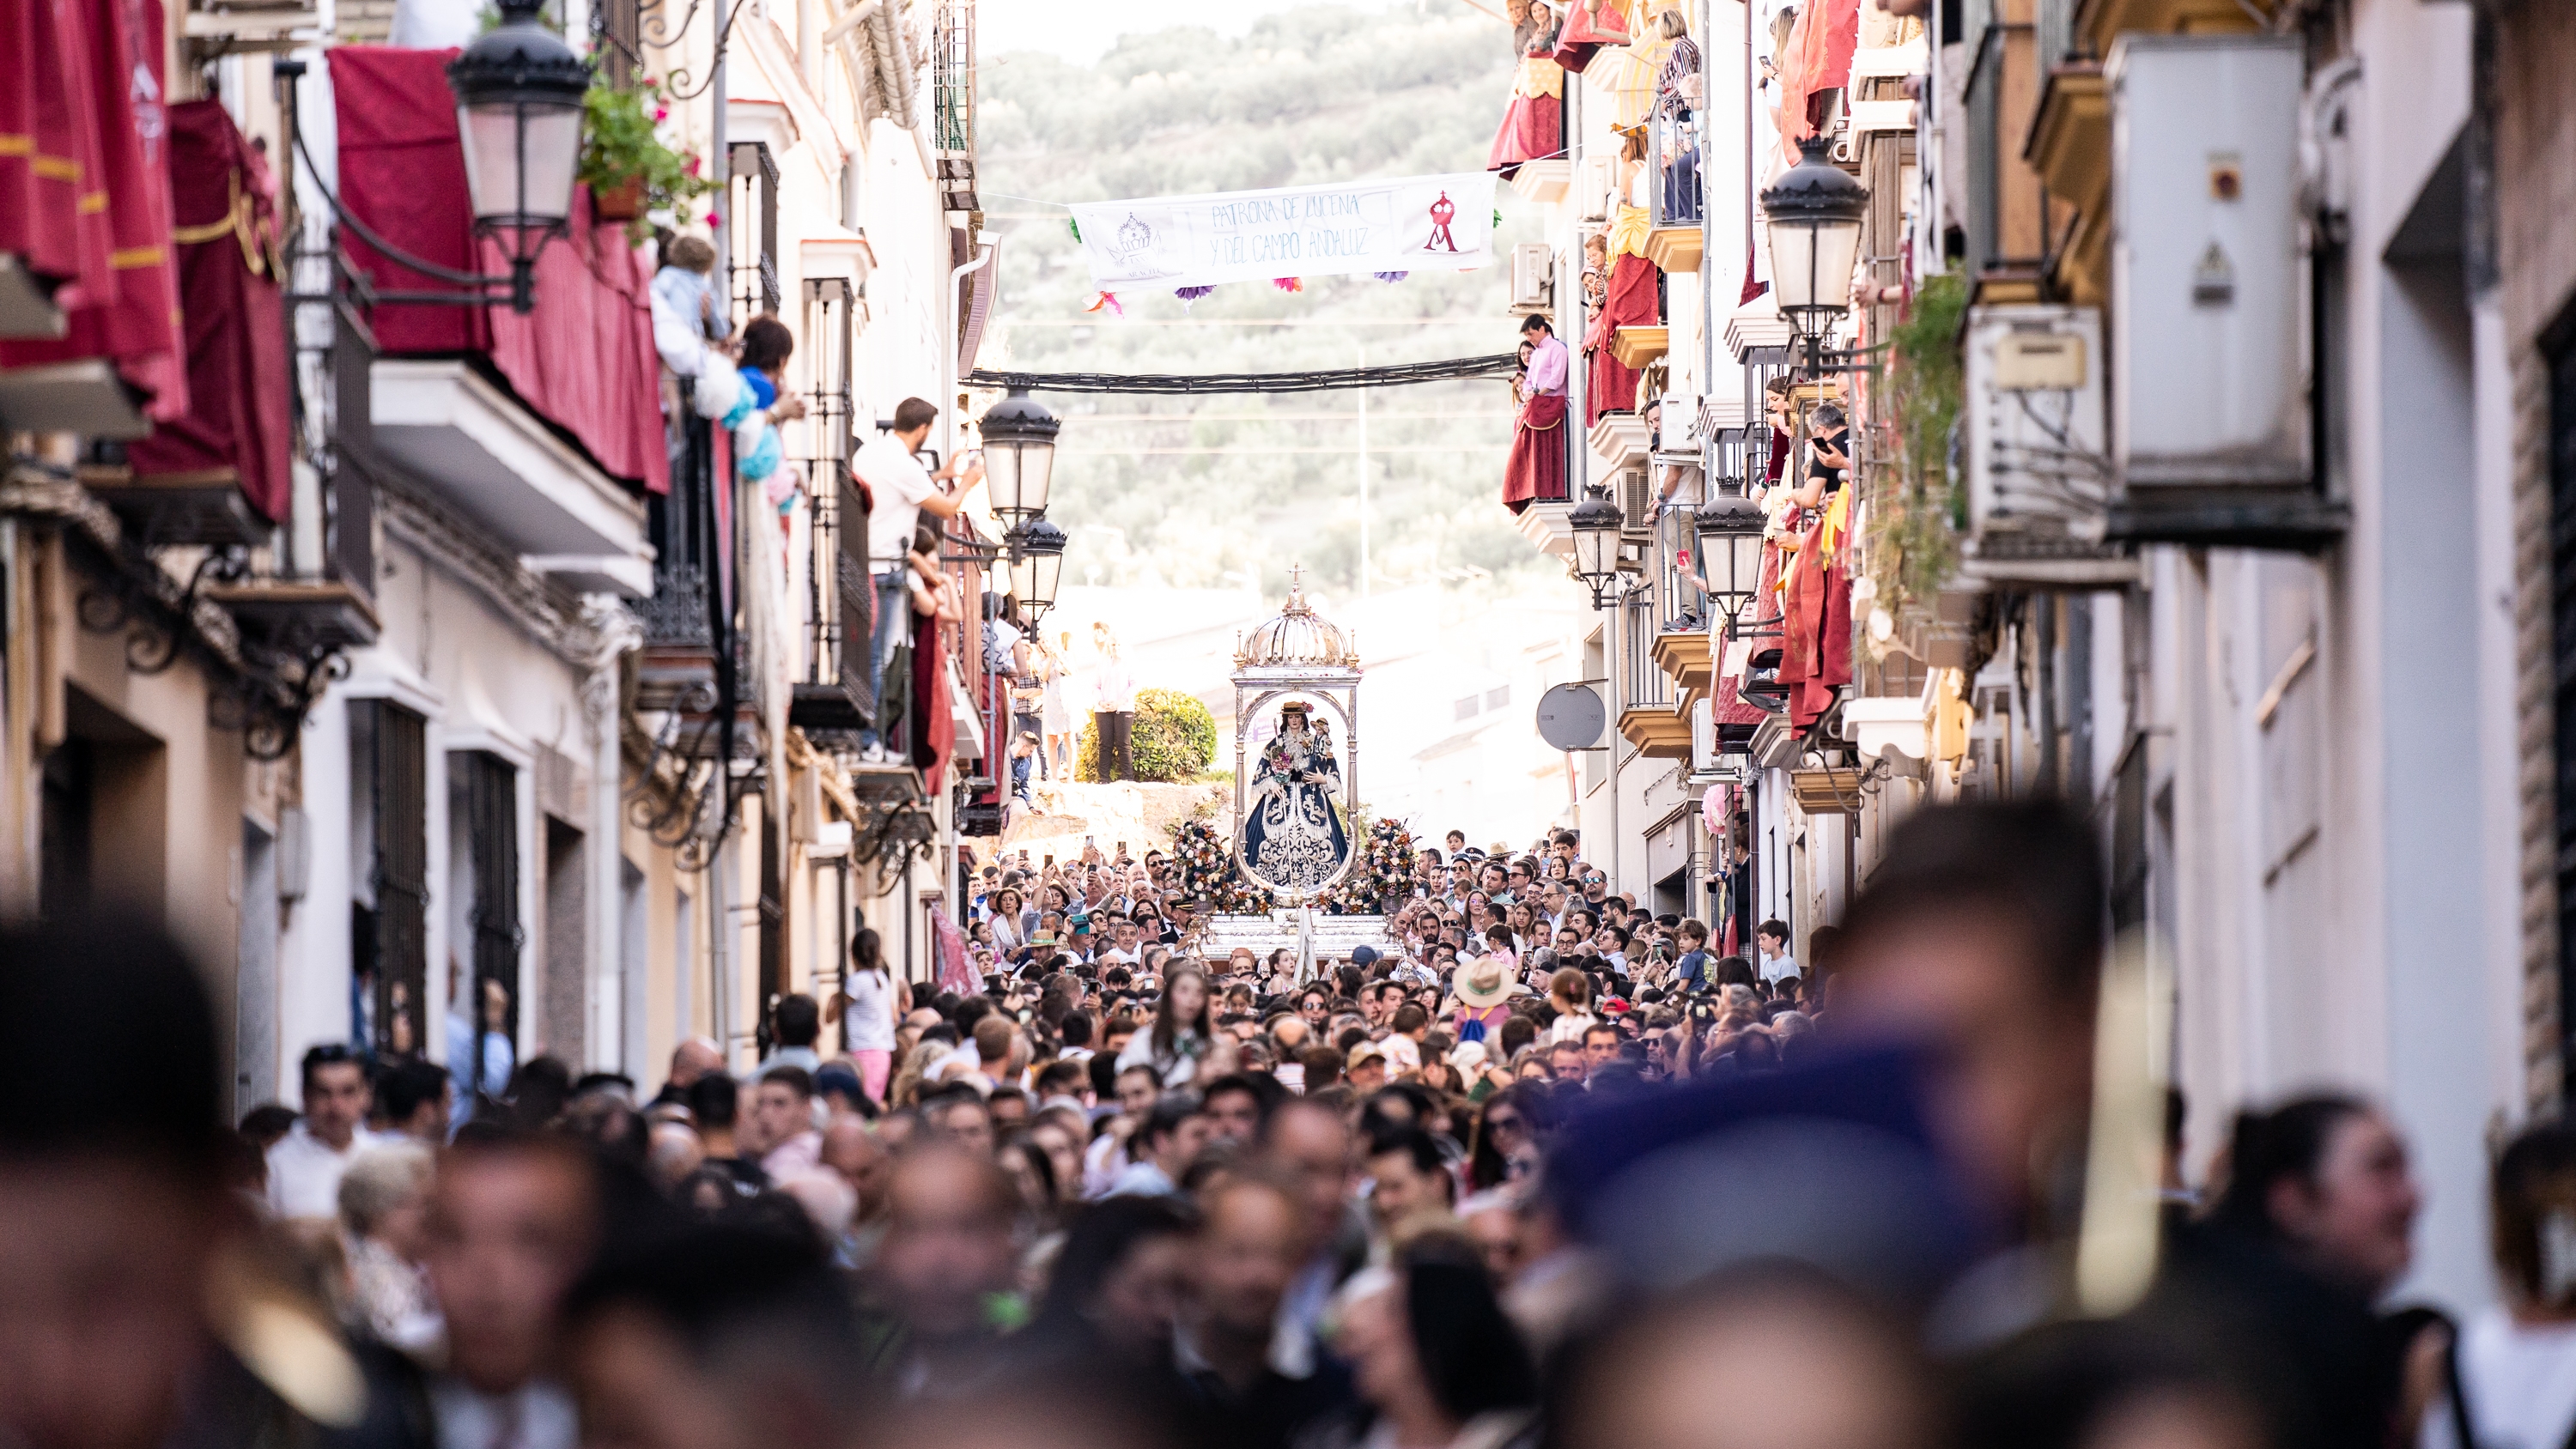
x,y
1294,794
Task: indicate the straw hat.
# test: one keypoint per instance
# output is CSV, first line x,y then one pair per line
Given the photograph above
x,y
1485,982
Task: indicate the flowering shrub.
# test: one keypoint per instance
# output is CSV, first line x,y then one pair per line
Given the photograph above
x,y
621,145
1173,738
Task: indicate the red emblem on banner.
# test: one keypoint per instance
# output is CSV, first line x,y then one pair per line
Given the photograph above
x,y
1443,212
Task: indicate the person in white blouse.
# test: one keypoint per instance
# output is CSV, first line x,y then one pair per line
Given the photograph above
x,y
1113,708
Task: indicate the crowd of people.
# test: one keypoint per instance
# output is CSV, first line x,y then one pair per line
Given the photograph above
x,y
1546,1171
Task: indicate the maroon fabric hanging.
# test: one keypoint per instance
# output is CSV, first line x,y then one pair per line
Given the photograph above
x,y
1536,471
583,359
131,316
239,418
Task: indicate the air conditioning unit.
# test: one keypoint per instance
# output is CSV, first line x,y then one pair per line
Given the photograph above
x,y
1634,488
2209,292
2039,473
1594,180
1677,423
1533,277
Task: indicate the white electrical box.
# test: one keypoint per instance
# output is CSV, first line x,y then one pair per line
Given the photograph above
x,y
2039,476
2210,385
1533,270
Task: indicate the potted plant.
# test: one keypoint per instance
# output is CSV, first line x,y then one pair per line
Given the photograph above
x,y
630,172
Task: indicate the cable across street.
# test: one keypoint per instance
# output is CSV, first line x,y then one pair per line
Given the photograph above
x,y
1399,374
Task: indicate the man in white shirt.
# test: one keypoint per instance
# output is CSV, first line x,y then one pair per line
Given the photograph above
x,y
305,1165
1113,708
1124,950
900,490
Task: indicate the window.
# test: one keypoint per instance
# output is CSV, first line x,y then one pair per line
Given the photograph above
x,y
389,922
484,927
1467,708
2558,346
1497,697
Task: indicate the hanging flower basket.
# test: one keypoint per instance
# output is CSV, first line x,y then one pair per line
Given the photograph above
x,y
630,171
621,202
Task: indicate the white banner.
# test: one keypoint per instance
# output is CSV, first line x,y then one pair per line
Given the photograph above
x,y
1411,224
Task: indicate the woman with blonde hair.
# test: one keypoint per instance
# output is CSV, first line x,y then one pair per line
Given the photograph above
x,y
384,1231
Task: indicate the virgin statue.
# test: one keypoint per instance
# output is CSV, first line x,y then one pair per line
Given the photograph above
x,y
1292,836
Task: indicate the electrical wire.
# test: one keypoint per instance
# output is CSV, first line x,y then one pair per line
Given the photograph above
x,y
1399,374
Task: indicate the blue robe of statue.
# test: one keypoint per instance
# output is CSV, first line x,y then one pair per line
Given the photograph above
x,y
1292,833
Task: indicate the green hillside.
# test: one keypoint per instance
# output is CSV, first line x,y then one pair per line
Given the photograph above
x,y
1309,96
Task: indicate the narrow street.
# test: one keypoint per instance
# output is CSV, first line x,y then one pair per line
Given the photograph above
x,y
1467,724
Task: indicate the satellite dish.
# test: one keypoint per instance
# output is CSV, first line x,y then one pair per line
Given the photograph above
x,y
1571,717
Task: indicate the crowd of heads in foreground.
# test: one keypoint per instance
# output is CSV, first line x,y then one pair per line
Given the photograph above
x,y
1173,1203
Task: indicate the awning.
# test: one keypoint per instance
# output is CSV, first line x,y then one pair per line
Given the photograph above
x,y
238,423
83,155
583,360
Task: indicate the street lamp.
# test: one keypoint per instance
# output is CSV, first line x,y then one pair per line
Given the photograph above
x,y
1037,563
519,96
1596,522
1019,459
1814,213
1730,551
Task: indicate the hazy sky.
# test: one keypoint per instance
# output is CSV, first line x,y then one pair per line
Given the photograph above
x,y
1079,30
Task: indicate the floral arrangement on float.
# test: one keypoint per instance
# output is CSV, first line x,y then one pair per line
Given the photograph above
x,y
1383,876
1204,862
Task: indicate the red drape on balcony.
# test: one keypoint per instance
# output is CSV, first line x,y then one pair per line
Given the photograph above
x,y
1818,59
49,145
583,359
238,416
1816,644
1535,472
91,167
1611,385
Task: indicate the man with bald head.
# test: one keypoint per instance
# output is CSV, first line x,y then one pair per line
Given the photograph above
x,y
693,1058
941,1284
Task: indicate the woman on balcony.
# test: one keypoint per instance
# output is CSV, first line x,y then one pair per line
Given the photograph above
x,y
1537,468
1533,126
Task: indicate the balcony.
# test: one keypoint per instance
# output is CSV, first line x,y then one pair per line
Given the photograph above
x,y
27,301
543,429
1664,614
1637,346
1758,335
502,467
1544,183
1683,655
2099,22
1546,524
2070,148
676,668
1622,440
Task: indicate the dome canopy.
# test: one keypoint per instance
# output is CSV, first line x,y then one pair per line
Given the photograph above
x,y
1296,635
